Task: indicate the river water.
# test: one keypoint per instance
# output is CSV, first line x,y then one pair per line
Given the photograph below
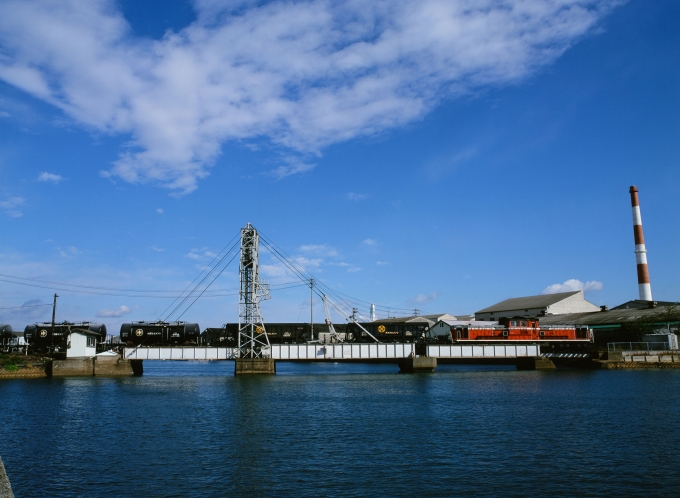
x,y
193,429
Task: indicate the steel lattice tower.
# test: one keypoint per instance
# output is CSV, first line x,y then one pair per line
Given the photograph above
x,y
252,336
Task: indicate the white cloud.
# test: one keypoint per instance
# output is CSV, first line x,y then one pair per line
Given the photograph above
x,y
381,263
117,313
370,242
49,177
4,114
351,196
424,298
11,205
573,285
157,249
159,211
301,75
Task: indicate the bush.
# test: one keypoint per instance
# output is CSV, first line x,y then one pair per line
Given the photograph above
x,y
11,367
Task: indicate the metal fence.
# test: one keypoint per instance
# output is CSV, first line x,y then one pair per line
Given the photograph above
x,y
638,346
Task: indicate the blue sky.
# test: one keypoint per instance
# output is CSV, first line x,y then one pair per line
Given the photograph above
x,y
433,155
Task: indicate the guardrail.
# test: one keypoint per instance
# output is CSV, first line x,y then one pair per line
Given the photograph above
x,y
637,346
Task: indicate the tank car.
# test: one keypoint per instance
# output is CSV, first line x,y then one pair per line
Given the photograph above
x,y
6,337
44,338
160,333
386,332
219,336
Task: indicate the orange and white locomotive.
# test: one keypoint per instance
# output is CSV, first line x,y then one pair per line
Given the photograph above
x,y
518,329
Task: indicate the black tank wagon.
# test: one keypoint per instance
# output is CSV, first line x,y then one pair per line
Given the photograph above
x,y
44,338
160,333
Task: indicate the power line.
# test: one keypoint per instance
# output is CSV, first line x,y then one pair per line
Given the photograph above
x,y
23,307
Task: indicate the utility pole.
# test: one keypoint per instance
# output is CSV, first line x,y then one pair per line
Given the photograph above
x,y
54,309
311,309
416,312
54,312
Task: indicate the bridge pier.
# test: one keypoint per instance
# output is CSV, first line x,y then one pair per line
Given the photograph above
x,y
414,364
254,366
535,363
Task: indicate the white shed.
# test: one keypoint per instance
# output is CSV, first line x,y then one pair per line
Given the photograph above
x,y
81,343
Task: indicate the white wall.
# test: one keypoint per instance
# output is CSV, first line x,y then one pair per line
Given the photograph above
x,y
79,347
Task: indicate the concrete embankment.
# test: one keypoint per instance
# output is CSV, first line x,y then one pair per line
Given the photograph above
x,y
5,486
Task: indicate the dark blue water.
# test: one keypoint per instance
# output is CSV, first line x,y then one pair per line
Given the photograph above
x,y
192,429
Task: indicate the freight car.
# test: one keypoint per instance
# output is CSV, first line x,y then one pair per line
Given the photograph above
x,y
518,329
387,331
160,333
277,333
43,338
7,339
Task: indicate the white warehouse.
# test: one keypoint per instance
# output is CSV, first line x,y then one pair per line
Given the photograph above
x,y
545,304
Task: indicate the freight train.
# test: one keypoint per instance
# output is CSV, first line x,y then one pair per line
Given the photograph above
x,y
277,333
160,333
44,338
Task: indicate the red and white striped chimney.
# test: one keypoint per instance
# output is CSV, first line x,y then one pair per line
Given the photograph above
x,y
640,252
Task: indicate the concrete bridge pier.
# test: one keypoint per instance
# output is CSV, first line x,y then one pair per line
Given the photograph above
x,y
254,366
414,364
535,363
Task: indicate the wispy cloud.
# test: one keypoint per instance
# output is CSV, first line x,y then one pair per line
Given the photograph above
x,y
370,242
381,263
69,251
160,211
424,298
11,206
301,75
157,249
50,177
116,313
293,166
321,249
29,311
574,285
352,196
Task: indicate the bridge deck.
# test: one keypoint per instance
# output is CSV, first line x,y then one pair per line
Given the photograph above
x,y
336,352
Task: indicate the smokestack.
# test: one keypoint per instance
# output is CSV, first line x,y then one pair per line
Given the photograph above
x,y
640,252
373,317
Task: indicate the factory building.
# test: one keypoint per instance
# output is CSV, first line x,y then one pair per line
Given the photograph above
x,y
622,323
545,304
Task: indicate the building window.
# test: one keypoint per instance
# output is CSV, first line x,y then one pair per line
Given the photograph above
x,y
90,342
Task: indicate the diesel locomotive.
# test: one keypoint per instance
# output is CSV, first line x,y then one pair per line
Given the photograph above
x,y
519,329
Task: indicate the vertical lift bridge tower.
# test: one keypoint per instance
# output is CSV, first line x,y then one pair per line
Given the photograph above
x,y
253,343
